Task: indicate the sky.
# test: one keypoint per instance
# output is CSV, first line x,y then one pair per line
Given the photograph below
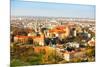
x,y
25,8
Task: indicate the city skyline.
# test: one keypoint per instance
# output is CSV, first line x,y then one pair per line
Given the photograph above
x,y
22,8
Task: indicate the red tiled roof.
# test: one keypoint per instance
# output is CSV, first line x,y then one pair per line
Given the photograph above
x,y
58,29
29,36
25,36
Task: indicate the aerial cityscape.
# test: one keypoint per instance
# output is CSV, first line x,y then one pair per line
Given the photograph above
x,y
50,33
